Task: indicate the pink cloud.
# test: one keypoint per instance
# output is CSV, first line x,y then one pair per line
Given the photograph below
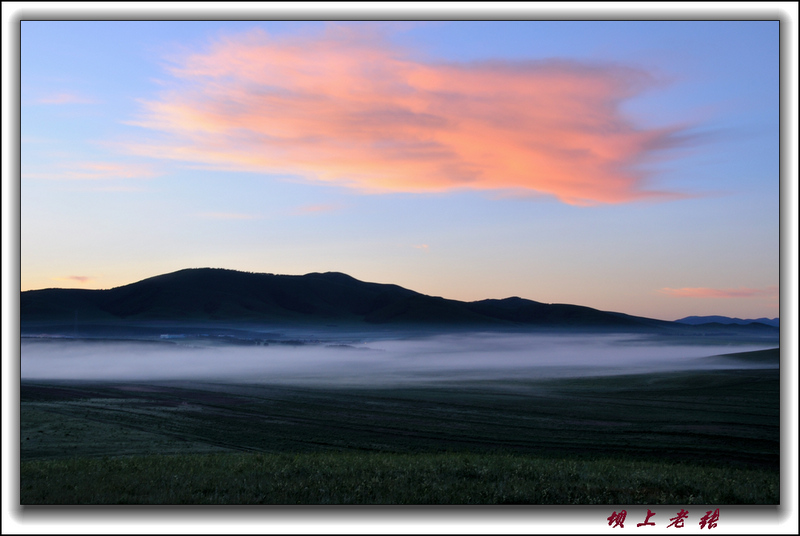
x,y
65,98
703,292
347,107
82,279
228,216
114,189
95,171
322,207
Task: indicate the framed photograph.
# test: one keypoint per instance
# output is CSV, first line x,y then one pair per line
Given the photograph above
x,y
409,260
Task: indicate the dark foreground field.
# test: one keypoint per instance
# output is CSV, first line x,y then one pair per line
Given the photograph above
x,y
706,437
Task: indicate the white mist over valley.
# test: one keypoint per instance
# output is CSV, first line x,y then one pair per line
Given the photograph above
x,y
375,362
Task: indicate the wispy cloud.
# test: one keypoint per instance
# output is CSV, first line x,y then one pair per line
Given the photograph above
x,y
349,108
95,171
313,209
117,188
65,98
35,139
423,247
704,292
81,279
227,216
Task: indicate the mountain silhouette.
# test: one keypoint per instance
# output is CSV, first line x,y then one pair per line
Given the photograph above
x,y
220,295
715,319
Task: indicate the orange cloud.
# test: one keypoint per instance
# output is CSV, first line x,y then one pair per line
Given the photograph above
x,y
702,292
347,107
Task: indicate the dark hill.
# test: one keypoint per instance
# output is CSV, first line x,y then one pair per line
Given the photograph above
x,y
207,294
521,311
700,320
215,294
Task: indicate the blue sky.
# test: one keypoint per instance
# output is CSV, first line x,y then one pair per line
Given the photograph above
x,y
626,166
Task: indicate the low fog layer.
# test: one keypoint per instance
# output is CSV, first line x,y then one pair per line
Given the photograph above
x,y
375,362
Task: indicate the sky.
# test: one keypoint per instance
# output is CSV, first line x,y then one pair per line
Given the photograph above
x,y
628,166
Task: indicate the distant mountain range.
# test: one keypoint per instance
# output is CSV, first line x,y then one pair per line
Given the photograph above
x,y
219,295
713,319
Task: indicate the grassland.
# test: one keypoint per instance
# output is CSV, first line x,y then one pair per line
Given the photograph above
x,y
708,437
387,478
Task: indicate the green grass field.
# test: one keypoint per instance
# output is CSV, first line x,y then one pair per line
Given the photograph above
x,y
387,478
708,437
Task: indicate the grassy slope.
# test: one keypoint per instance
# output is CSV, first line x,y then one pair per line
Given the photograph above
x,y
387,478
688,438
